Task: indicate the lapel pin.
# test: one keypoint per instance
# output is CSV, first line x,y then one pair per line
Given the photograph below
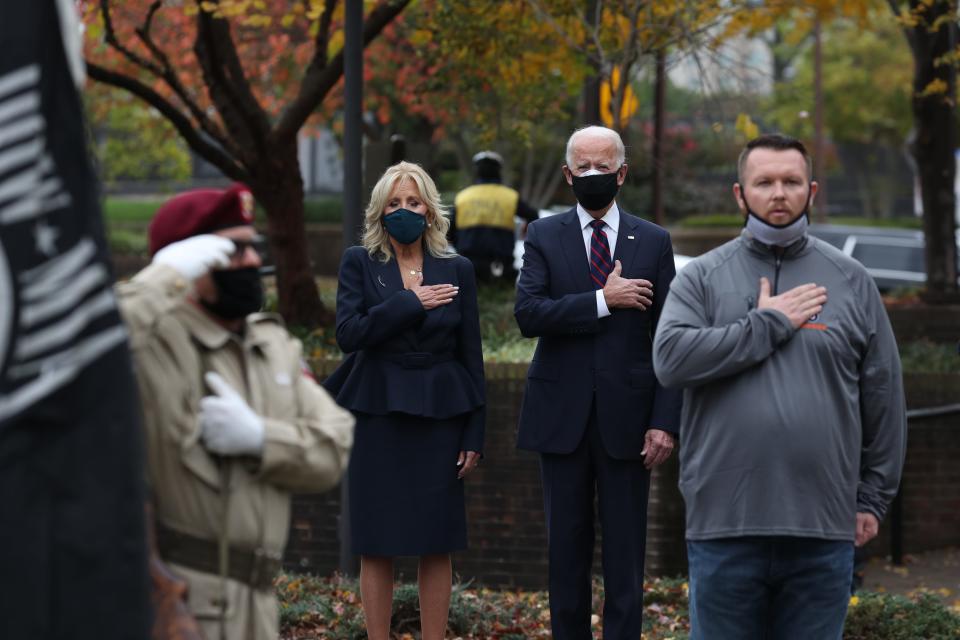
x,y
380,280
629,237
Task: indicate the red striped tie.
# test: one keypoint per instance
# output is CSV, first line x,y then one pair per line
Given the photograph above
x,y
601,264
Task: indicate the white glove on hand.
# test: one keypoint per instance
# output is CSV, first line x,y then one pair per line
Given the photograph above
x,y
195,256
229,427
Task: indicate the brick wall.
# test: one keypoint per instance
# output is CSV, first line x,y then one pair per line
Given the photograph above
x,y
505,514
505,518
930,491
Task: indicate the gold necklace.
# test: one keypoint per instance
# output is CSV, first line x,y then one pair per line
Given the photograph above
x,y
413,272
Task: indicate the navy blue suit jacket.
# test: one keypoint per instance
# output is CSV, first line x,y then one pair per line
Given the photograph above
x,y
579,355
403,358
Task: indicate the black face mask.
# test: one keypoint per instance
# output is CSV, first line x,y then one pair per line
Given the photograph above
x,y
597,191
239,293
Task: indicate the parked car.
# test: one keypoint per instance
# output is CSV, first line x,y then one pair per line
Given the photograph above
x,y
894,257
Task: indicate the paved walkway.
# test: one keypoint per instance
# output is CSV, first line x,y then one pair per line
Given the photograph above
x,y
935,571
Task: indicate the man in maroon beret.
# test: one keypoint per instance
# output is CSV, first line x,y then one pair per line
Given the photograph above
x,y
233,427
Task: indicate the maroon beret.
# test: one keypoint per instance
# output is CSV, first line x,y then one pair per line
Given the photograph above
x,y
200,211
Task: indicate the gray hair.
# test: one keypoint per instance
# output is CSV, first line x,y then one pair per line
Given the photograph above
x,y
594,131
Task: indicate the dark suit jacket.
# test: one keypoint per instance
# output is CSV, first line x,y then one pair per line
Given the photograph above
x,y
579,355
403,358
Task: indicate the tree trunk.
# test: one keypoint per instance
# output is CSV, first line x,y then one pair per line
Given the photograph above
x,y
933,149
278,187
659,118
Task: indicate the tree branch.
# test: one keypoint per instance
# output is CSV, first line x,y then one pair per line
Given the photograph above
x,y
320,79
323,38
573,44
210,152
229,87
110,36
169,75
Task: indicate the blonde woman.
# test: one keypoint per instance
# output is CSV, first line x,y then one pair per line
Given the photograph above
x,y
407,315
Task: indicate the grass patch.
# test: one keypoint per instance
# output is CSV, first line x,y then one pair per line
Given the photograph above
x,y
312,607
129,211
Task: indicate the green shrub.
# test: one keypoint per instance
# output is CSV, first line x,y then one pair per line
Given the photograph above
x,y
502,341
323,209
720,220
873,616
924,356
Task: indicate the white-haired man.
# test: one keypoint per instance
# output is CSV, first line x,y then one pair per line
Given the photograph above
x,y
591,289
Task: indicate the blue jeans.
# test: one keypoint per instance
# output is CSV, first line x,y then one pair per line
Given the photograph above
x,y
769,588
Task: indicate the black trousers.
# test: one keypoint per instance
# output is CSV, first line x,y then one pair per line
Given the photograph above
x,y
571,482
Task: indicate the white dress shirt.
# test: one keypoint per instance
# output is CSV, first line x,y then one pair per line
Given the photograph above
x,y
611,220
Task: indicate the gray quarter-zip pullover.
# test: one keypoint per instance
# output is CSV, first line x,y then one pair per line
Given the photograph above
x,y
784,432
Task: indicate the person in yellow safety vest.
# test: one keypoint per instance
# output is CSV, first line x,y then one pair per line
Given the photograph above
x,y
483,220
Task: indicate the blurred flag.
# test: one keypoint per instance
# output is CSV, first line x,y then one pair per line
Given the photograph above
x,y
72,545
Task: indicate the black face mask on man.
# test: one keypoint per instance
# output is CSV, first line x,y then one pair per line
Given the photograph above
x,y
595,190
239,293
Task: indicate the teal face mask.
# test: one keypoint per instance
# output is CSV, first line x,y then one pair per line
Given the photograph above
x,y
404,225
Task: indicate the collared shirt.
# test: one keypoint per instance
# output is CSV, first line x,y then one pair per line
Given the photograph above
x,y
611,226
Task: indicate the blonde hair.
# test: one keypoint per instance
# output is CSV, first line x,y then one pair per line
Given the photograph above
x,y
375,236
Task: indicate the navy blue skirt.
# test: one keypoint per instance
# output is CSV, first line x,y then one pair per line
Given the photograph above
x,y
405,498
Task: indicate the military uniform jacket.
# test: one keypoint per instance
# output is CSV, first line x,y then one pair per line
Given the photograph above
x,y
307,437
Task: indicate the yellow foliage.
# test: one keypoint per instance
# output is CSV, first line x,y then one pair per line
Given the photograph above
x,y
746,126
316,9
936,87
258,20
420,37
336,43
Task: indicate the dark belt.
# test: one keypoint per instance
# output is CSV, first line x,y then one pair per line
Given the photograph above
x,y
414,359
255,568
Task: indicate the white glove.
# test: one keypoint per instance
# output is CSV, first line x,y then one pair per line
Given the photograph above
x,y
195,256
228,425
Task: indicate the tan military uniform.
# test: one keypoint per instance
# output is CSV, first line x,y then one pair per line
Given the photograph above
x,y
201,496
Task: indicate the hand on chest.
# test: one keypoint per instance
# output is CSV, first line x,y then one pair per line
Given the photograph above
x,y
834,330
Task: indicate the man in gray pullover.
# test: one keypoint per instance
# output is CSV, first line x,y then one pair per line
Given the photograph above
x,y
793,431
